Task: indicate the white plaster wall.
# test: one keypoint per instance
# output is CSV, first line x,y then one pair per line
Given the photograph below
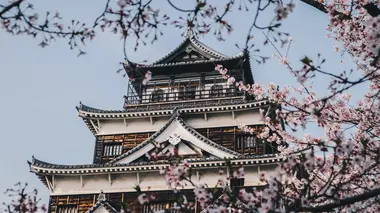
x,y
251,175
219,119
209,176
124,181
132,125
94,182
152,180
214,119
66,184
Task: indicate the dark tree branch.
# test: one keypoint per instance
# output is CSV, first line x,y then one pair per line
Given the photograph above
x,y
102,15
344,202
316,4
9,7
372,9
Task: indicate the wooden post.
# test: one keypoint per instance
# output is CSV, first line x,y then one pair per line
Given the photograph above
x,y
168,94
127,93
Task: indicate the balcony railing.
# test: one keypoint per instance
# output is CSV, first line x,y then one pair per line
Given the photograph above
x,y
165,96
160,207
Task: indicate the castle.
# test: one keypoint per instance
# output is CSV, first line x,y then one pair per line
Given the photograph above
x,y
186,106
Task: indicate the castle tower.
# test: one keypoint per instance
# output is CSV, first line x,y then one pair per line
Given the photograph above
x,y
186,106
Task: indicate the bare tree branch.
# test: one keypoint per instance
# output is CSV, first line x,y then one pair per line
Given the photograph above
x,y
9,7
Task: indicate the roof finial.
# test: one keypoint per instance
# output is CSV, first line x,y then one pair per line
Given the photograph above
x,y
189,32
101,197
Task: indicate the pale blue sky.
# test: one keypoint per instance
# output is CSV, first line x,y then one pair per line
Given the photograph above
x,y
39,88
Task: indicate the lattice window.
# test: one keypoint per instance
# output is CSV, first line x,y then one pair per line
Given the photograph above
x,y
112,149
158,95
231,90
246,141
187,93
160,207
216,91
67,208
190,92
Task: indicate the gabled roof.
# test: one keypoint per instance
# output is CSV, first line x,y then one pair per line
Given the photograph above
x,y
189,51
176,125
102,206
190,43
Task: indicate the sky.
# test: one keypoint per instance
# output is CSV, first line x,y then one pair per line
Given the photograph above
x,y
40,87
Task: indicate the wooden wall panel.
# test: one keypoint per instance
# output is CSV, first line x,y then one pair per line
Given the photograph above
x,y
117,200
128,141
235,139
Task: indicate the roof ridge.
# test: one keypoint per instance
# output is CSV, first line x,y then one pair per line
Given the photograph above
x,y
92,109
36,161
190,37
170,52
207,48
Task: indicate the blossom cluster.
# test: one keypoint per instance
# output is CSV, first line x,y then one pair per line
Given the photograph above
x,y
282,11
176,174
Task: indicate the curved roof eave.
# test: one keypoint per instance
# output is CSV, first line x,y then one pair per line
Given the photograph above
x,y
42,165
168,110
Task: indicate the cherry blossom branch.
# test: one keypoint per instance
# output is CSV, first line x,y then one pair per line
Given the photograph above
x,y
343,202
370,7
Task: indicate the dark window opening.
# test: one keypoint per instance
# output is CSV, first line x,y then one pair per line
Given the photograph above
x,y
187,93
246,141
158,95
237,182
203,80
231,90
172,81
216,91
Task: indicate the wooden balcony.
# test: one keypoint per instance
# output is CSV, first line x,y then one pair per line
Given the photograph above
x,y
188,95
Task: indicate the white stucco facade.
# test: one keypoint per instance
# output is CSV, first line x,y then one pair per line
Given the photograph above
x,y
148,180
196,120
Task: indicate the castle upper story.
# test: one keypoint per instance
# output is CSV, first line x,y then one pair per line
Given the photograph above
x,y
186,76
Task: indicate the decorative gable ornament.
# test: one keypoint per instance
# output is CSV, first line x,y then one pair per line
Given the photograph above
x,y
174,139
101,196
189,49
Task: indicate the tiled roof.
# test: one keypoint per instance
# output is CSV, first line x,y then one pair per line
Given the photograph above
x,y
250,159
189,40
169,106
238,56
42,164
